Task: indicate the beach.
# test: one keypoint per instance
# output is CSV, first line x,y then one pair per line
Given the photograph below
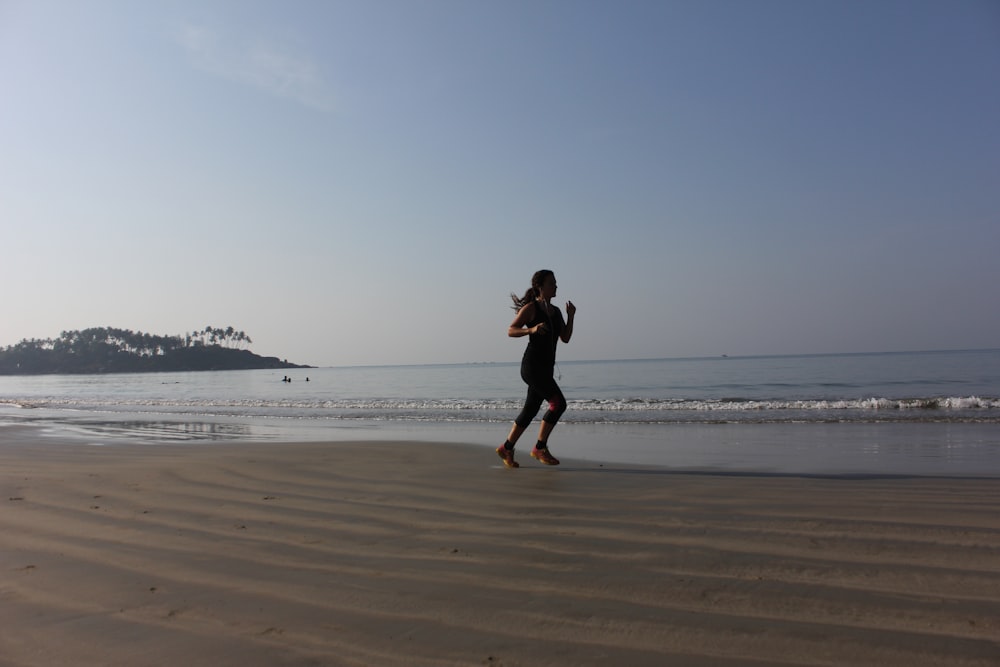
x,y
402,553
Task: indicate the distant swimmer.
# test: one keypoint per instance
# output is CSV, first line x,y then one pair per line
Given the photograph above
x,y
543,323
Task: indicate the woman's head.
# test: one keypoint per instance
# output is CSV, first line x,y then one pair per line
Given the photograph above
x,y
543,285
543,281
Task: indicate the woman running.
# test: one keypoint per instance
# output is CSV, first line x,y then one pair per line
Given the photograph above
x,y
543,323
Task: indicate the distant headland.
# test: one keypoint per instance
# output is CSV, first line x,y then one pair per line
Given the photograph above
x,y
109,350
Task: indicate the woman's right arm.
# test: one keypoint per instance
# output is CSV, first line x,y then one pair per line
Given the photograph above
x,y
519,327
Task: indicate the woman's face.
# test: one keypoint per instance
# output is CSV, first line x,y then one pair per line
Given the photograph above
x,y
548,288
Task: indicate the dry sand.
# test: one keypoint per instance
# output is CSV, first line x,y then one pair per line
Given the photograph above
x,y
417,554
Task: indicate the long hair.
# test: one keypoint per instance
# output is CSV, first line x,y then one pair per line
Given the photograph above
x,y
532,293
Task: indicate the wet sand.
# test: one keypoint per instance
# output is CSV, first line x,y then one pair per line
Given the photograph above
x,y
381,553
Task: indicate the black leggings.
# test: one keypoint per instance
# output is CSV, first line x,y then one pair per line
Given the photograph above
x,y
541,387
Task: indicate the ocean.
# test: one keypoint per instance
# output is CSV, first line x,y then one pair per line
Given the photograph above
x,y
888,413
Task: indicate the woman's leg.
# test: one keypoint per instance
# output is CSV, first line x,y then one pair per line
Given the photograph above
x,y
532,403
545,430
539,390
515,434
557,406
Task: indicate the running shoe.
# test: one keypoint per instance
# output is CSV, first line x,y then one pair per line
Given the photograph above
x,y
543,456
508,457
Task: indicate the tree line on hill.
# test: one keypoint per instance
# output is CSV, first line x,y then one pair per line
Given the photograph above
x,y
111,350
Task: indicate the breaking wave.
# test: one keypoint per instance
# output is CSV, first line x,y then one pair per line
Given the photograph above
x,y
618,410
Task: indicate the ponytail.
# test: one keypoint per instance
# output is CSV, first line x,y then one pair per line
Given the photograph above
x,y
537,280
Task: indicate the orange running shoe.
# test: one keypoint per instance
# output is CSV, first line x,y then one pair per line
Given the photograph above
x,y
508,457
543,456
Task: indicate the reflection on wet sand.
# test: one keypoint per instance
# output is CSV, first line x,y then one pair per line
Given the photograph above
x,y
160,430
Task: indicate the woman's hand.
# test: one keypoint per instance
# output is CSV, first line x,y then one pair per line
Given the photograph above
x,y
567,331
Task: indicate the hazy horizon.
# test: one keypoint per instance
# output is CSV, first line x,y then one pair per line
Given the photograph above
x,y
570,360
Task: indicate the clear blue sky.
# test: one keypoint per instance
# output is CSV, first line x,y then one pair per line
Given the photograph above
x,y
365,182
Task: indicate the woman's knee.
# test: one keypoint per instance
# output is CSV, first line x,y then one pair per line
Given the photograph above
x,y
557,406
531,406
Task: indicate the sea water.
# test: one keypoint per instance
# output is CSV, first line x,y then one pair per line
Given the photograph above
x,y
908,412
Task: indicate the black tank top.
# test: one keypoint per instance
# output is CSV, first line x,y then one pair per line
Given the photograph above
x,y
541,350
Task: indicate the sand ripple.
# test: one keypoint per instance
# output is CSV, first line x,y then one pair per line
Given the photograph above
x,y
415,554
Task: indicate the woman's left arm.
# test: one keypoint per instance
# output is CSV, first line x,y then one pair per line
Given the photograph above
x,y
567,331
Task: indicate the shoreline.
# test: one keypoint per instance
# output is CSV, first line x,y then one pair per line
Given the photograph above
x,y
835,449
404,553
